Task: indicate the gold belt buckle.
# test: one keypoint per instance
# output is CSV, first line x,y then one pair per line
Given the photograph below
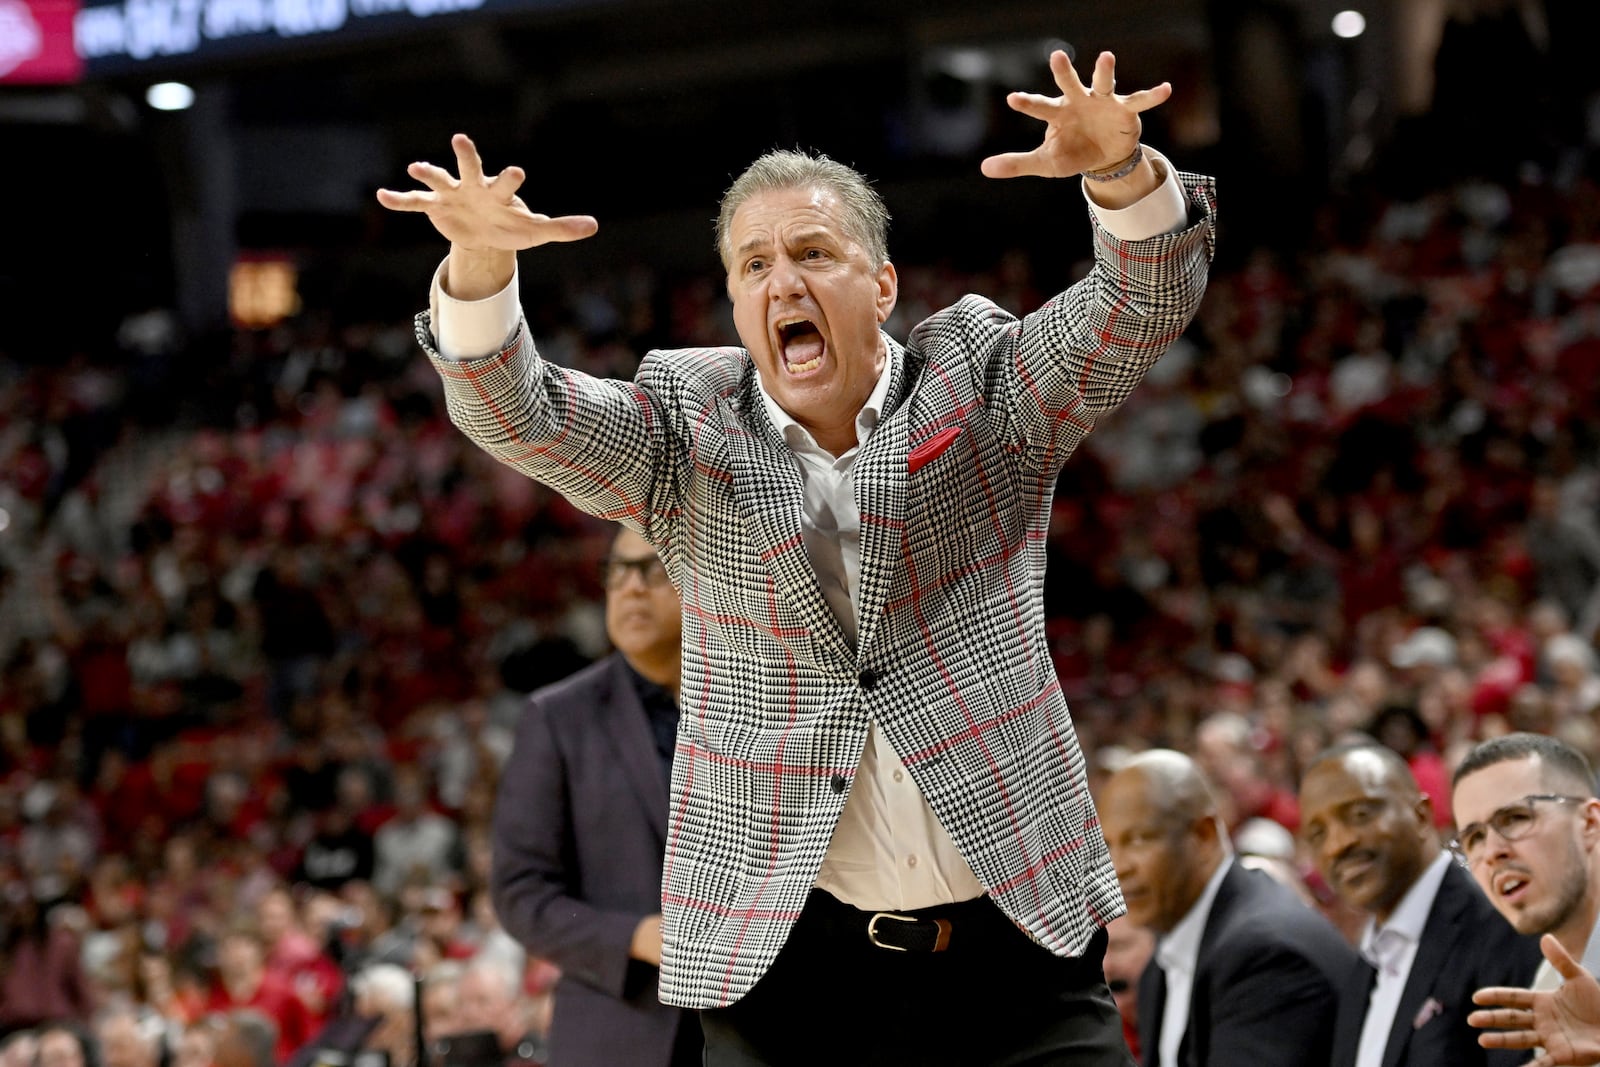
x,y
940,943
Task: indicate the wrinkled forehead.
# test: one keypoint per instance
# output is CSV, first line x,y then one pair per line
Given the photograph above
x,y
773,213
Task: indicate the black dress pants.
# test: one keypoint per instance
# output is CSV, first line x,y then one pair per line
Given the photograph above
x,y
994,998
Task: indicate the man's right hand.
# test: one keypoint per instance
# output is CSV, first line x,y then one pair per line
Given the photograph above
x,y
483,218
647,940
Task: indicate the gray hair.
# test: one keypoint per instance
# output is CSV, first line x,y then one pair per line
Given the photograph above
x,y
863,217
505,974
389,984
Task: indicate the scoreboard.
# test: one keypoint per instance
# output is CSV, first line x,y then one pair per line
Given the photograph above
x,y
68,40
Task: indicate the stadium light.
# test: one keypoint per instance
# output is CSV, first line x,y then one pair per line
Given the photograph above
x,y
169,96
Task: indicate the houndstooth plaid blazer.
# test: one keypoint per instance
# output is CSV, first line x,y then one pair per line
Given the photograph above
x,y
954,487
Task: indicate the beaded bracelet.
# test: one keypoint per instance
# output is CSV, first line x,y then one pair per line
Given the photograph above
x,y
1121,170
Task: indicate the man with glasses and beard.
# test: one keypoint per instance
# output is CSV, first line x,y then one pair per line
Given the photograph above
x,y
1529,831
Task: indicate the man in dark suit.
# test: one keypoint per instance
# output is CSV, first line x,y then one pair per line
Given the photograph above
x,y
580,827
1431,937
1244,974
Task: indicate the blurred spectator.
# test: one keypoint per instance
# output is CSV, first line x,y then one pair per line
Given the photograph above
x,y
19,1048
296,957
1564,546
492,998
246,1038
387,993
441,1000
196,1046
129,1037
1399,728
339,852
242,981
66,1044
42,978
380,1021
416,842
296,634
1574,684
444,933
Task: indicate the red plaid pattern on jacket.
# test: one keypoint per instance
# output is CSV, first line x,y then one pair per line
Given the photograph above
x,y
950,661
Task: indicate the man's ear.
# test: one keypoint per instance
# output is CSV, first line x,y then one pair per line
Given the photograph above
x,y
1423,810
1591,824
888,291
1207,828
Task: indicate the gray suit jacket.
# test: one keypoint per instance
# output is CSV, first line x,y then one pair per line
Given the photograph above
x,y
579,828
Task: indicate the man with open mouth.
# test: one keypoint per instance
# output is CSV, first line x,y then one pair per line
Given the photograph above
x,y
1529,831
881,848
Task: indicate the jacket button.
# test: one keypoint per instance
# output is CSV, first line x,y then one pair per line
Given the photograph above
x,y
867,679
837,782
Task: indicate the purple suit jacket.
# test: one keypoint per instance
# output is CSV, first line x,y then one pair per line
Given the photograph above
x,y
580,826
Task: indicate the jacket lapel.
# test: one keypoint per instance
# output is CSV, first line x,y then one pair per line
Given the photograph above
x,y
1439,936
880,488
771,498
627,730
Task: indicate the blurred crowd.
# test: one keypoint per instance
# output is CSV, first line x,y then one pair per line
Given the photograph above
x,y
260,655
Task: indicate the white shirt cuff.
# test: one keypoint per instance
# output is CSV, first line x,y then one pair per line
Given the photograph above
x,y
472,329
1164,210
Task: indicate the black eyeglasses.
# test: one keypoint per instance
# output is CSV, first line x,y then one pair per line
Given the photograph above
x,y
1512,822
615,570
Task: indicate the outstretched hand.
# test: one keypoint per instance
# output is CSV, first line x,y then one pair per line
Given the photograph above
x,y
1565,1022
1087,127
478,213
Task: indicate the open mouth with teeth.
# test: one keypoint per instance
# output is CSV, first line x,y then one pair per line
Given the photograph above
x,y
801,344
1510,885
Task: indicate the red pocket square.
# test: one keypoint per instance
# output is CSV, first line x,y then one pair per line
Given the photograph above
x,y
932,448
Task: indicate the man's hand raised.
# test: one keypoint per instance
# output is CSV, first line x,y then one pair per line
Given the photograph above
x,y
1087,128
483,218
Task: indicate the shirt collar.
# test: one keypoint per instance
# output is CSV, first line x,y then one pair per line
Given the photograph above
x,y
798,437
1180,948
1409,917
1591,951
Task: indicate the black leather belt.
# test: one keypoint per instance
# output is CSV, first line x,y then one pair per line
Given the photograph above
x,y
925,930
900,932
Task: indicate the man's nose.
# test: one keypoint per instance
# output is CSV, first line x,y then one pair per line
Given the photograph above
x,y
1336,841
785,279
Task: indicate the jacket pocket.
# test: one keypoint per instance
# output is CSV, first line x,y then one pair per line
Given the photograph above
x,y
931,449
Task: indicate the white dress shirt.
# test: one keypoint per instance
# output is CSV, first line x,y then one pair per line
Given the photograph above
x,y
1391,949
1178,956
1547,977
889,851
